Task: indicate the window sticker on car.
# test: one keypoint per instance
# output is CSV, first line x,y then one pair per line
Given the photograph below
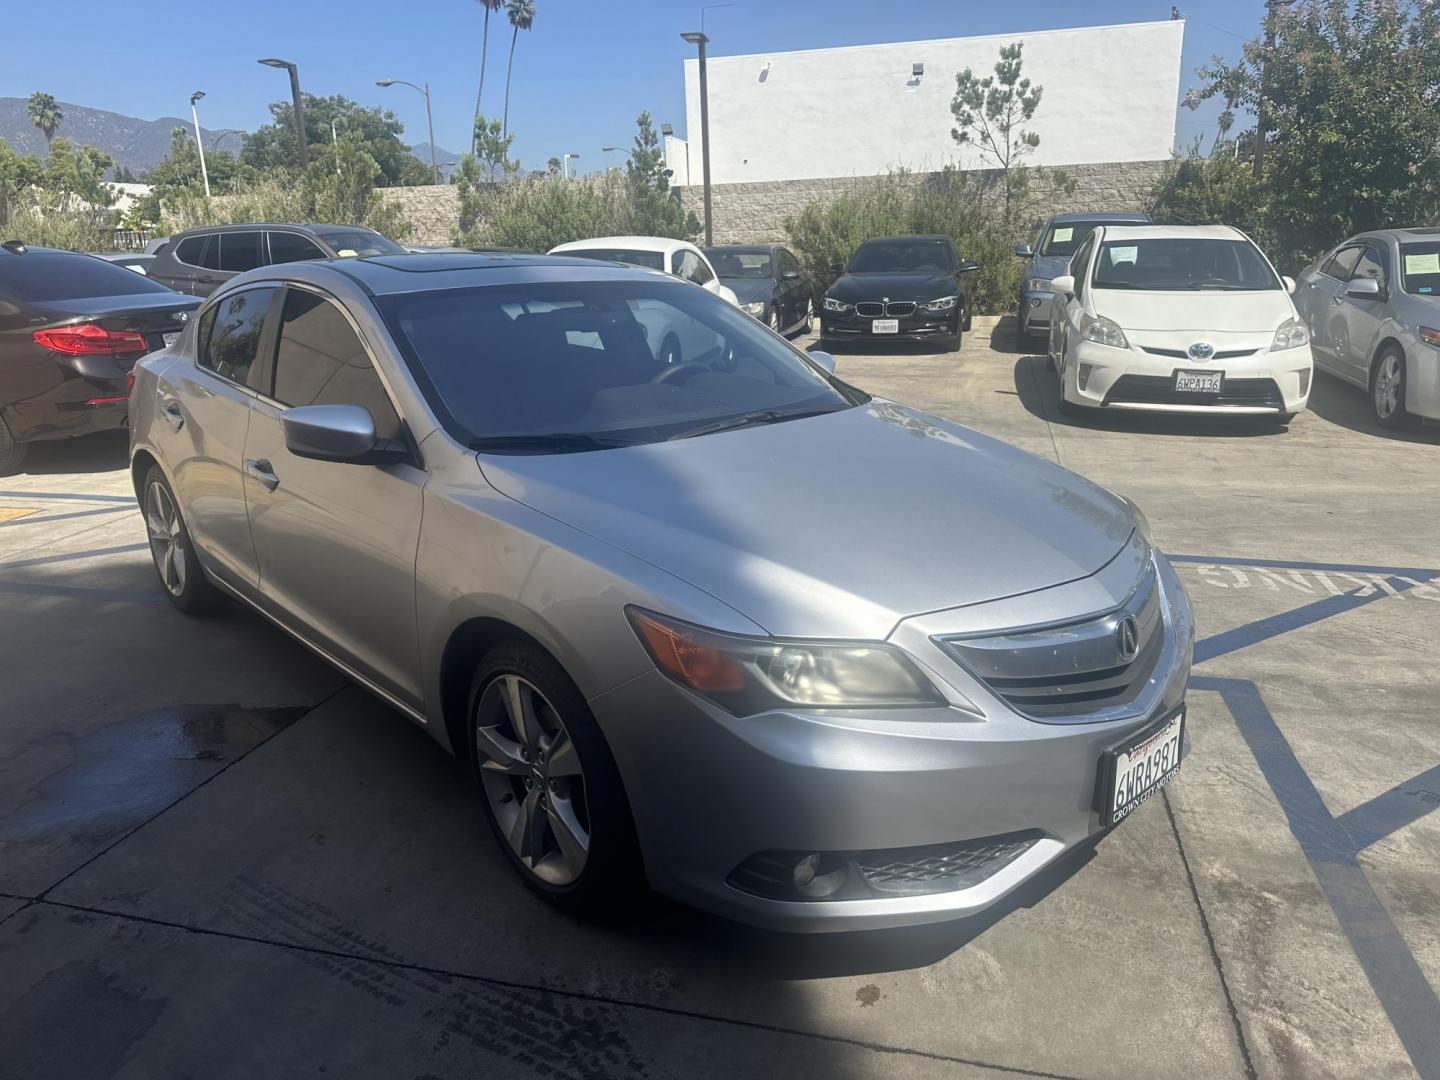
x,y
1122,254
1059,236
1423,264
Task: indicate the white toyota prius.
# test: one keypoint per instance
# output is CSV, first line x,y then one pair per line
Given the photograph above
x,y
1181,318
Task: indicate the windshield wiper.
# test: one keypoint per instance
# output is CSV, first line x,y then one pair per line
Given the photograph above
x,y
1219,285
763,416
556,442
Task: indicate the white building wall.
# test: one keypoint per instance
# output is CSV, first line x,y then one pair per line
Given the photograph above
x,y
1110,95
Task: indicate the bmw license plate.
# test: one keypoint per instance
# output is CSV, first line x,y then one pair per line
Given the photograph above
x,y
1199,382
171,338
1132,771
885,326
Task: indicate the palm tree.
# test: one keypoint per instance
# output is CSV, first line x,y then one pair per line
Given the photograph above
x,y
44,114
521,14
489,6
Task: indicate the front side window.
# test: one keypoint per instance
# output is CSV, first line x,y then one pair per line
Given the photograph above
x,y
902,257
789,264
241,251
230,333
551,368
1182,262
321,361
292,247
1371,265
1341,263
1420,268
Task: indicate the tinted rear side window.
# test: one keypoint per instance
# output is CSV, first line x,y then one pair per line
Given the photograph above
x,y
231,334
39,276
320,361
190,250
292,247
211,258
241,251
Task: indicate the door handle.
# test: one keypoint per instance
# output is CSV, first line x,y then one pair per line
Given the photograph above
x,y
1337,300
170,410
260,470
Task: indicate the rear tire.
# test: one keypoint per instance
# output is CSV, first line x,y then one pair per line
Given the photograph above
x,y
12,453
965,318
562,821
181,575
809,322
1387,391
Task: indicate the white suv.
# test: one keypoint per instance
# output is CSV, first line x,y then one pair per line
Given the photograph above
x,y
1182,318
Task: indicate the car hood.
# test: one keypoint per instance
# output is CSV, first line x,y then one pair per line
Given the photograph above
x,y
926,286
837,525
748,290
1048,266
1212,312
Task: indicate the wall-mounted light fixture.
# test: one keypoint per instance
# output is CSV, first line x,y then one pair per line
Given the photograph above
x,y
917,70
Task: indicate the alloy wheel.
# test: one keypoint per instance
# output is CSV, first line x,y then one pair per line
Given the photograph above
x,y
775,319
1388,378
167,539
532,776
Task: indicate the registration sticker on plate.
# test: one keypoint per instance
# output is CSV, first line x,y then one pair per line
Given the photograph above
x,y
1199,382
885,326
1139,767
171,338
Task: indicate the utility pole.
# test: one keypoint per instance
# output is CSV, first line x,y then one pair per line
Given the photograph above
x,y
1262,113
698,38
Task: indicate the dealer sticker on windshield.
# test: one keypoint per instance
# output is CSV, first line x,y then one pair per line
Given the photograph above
x,y
1134,770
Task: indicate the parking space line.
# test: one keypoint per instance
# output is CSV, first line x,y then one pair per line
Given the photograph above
x,y
47,518
72,555
1296,564
67,495
1392,811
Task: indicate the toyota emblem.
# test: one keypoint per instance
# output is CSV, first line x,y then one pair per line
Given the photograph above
x,y
1127,639
1201,350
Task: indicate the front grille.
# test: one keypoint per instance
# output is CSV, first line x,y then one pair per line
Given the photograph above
x,y
900,308
1181,354
1160,390
869,310
1074,668
941,867
897,309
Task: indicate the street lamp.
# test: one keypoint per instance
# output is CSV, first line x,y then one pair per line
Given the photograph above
x,y
199,143
217,137
565,164
698,39
429,123
299,105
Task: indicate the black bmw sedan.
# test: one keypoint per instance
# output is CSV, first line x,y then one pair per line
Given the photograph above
x,y
900,287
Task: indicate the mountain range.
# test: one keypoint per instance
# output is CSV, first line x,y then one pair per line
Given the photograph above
x,y
134,143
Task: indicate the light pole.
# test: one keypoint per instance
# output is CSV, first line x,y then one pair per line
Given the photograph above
x,y
200,143
298,103
698,38
613,149
429,122
565,164
220,136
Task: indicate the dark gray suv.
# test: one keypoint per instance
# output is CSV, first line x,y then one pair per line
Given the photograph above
x,y
199,261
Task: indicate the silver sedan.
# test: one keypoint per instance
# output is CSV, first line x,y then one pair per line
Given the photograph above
x,y
1373,308
716,623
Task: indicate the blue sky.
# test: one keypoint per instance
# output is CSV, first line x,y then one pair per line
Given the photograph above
x,y
581,75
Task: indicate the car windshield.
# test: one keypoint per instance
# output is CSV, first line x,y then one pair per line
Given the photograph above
x,y
649,260
1065,239
556,368
39,276
1420,268
901,257
349,243
1182,262
752,265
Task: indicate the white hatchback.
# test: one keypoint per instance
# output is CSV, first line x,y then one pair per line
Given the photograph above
x,y
1182,318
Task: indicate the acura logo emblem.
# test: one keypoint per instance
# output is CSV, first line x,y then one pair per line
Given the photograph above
x,y
1127,639
1201,350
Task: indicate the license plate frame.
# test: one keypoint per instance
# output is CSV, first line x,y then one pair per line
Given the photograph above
x,y
1134,753
1205,382
885,326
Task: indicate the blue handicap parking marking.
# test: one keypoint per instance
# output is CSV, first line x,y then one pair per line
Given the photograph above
x,y
1332,844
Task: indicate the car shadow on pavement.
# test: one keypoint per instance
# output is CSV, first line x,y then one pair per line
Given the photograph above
x,y
105,451
1348,406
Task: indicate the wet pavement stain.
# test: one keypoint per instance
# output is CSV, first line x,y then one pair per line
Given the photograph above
x,y
867,995
116,779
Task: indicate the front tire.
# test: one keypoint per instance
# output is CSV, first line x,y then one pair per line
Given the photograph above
x,y
809,324
549,784
171,550
12,453
1387,391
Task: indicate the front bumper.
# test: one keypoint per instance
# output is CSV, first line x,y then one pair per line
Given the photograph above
x,y
709,791
921,326
1035,312
1262,382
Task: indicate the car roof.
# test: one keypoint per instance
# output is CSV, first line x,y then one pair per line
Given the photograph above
x,y
1173,232
744,249
235,226
917,236
1119,216
1400,235
35,249
662,244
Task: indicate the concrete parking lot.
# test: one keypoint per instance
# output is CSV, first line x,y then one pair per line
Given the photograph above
x,y
219,858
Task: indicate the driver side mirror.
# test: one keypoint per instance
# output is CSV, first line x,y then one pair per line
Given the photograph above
x,y
967,266
790,275
1064,285
1289,283
341,433
823,360
1364,288
837,268
1025,251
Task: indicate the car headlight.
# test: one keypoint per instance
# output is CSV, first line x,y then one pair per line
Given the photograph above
x,y
1102,331
1290,335
945,303
748,675
756,308
835,305
1037,284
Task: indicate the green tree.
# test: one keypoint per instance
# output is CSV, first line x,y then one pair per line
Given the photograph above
x,y
45,114
488,6
179,171
554,166
492,150
521,14
991,114
657,212
19,173
273,145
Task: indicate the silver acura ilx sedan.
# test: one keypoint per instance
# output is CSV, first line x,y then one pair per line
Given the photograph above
x,y
712,621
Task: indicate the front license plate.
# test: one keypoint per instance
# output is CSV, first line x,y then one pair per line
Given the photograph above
x,y
1199,382
1139,767
171,338
885,326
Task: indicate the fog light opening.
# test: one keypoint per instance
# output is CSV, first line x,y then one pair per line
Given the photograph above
x,y
1304,383
1082,378
818,875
